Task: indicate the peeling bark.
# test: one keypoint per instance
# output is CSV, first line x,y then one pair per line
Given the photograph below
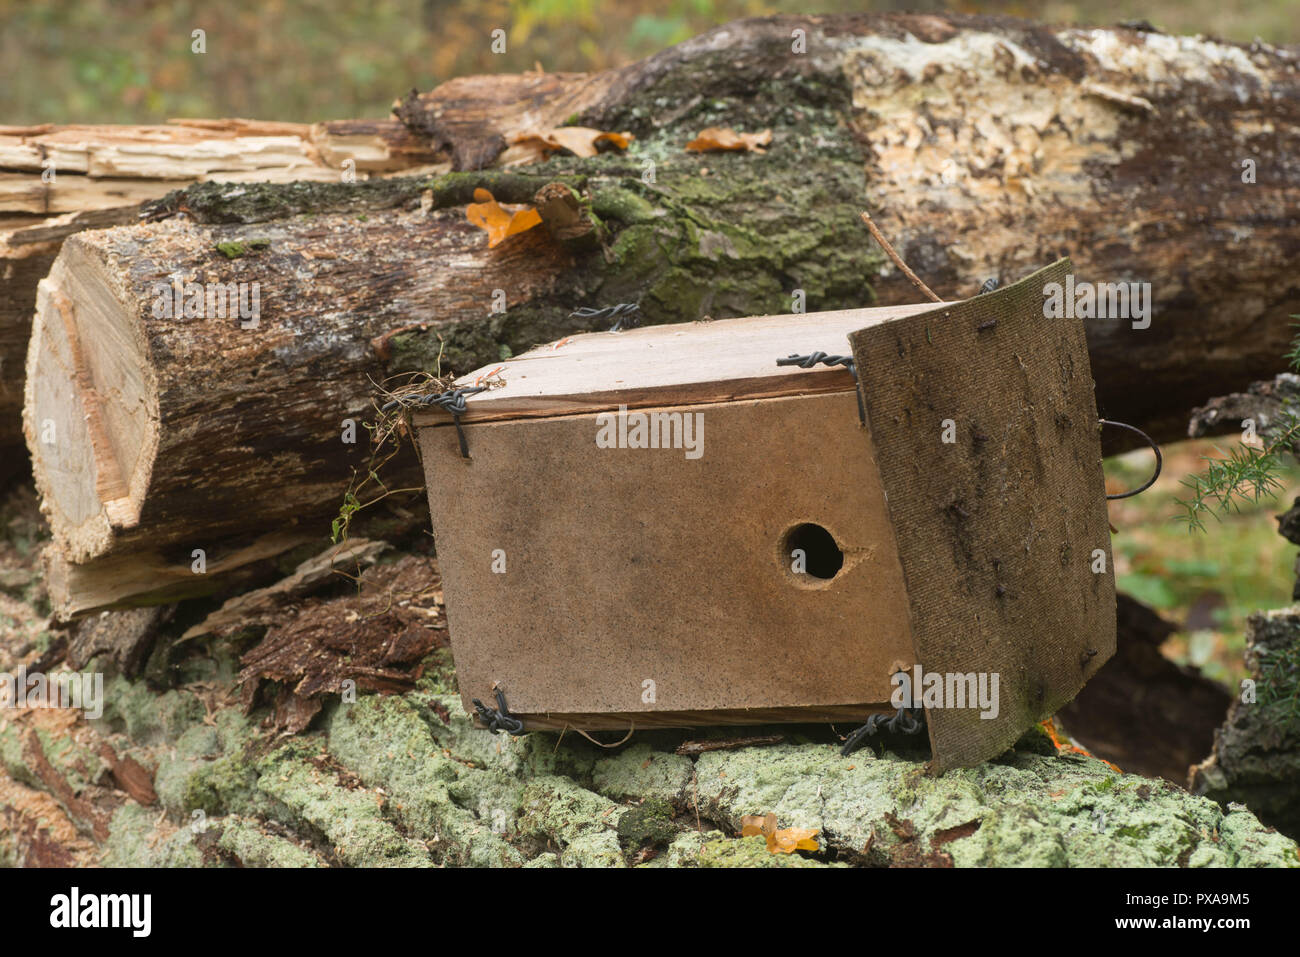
x,y
1264,403
175,773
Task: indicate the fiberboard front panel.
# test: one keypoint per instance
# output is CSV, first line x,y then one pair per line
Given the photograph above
x,y
644,580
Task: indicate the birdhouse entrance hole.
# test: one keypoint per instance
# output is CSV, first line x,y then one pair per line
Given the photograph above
x,y
822,557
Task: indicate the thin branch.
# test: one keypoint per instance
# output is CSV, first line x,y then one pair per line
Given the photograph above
x,y
898,260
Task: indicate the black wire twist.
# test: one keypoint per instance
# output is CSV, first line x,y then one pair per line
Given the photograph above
x,y
621,314
906,721
453,401
1154,448
499,718
821,358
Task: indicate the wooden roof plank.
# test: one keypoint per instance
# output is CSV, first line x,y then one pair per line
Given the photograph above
x,y
681,364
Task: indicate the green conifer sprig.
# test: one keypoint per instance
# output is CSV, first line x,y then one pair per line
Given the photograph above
x,y
1247,474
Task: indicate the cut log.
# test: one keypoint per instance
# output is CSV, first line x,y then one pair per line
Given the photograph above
x,y
990,146
189,150
149,576
101,175
238,432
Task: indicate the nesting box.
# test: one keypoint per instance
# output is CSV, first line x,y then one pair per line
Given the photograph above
x,y
666,527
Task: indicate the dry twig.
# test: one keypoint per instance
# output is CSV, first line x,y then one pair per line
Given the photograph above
x,y
898,260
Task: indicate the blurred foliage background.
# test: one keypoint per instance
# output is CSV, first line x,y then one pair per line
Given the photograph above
x,y
130,61
1207,582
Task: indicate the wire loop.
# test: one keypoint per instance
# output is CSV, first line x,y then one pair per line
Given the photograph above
x,y
1154,448
621,313
905,721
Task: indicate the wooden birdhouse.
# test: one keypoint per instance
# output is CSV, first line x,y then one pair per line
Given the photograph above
x,y
667,526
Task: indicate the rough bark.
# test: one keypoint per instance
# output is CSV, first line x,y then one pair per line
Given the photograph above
x,y
124,638
154,436
1256,757
984,146
989,146
1267,404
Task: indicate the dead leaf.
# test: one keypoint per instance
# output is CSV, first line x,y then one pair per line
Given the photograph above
x,y
792,839
719,138
131,776
778,841
498,221
581,141
903,828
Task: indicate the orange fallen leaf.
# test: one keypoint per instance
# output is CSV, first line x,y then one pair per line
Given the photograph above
x,y
499,222
785,841
754,824
792,839
719,138
579,140
1049,726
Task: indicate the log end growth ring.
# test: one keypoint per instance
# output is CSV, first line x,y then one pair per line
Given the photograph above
x,y
91,409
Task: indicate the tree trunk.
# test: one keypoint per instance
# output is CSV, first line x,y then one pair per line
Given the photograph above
x,y
990,146
1256,757
983,146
